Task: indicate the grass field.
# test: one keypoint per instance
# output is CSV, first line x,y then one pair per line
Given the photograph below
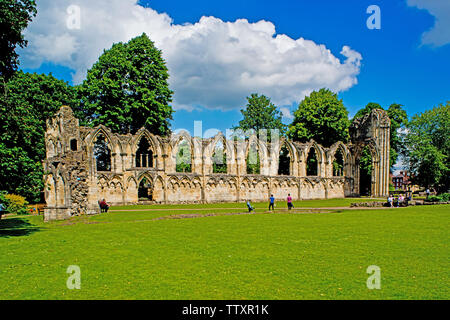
x,y
143,252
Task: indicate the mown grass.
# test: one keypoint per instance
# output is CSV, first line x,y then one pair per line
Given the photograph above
x,y
343,202
130,255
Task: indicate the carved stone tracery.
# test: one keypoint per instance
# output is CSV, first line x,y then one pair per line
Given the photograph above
x,y
74,186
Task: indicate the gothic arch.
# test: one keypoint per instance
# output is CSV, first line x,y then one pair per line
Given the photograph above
x,y
331,157
210,148
91,140
319,154
100,130
177,138
154,142
210,151
131,182
51,148
145,175
293,159
61,191
317,147
175,149
159,189
262,147
50,190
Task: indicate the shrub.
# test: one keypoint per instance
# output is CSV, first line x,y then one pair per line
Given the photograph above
x,y
445,196
15,204
434,199
3,202
2,196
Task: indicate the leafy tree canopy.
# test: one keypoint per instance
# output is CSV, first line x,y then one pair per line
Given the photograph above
x,y
14,18
367,109
127,89
260,113
427,148
31,99
320,116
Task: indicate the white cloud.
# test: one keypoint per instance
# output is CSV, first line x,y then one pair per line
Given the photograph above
x,y
286,113
439,35
212,63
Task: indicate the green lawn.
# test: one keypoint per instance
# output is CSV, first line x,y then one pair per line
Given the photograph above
x,y
302,255
344,202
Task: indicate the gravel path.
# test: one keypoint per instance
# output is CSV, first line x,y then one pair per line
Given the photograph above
x,y
241,208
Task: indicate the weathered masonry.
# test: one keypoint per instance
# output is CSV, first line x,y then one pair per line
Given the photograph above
x,y
84,165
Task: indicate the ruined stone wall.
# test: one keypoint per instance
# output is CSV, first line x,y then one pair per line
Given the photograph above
x,y
74,185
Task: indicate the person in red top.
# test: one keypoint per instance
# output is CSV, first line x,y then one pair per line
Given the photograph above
x,y
289,202
104,206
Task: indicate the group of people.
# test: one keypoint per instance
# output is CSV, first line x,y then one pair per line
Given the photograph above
x,y
397,202
104,206
290,205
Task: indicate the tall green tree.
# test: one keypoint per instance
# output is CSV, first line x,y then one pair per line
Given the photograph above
x,y
127,88
367,109
427,148
31,100
14,18
259,114
320,116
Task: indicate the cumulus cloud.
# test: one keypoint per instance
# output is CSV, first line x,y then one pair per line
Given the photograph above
x,y
286,113
439,35
212,63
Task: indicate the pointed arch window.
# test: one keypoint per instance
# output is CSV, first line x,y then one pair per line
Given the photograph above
x,y
102,153
365,163
184,157
219,158
338,163
284,161
253,159
144,154
312,163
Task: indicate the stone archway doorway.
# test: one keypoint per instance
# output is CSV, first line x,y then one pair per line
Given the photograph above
x,y
145,190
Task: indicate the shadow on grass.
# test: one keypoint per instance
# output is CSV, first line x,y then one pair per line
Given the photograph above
x,y
16,227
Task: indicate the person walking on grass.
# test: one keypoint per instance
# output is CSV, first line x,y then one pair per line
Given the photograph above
x,y
272,203
249,206
289,202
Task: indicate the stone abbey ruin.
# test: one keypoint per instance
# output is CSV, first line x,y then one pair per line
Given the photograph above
x,y
84,165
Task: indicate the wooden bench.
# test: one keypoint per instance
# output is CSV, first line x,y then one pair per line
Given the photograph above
x,y
37,208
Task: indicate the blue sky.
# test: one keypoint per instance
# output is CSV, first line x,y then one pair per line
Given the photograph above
x,y
406,61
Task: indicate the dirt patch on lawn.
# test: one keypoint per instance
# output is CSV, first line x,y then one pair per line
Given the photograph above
x,y
79,219
201,215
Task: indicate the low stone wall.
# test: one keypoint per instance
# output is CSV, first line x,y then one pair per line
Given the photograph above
x,y
422,202
56,214
370,204
373,204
